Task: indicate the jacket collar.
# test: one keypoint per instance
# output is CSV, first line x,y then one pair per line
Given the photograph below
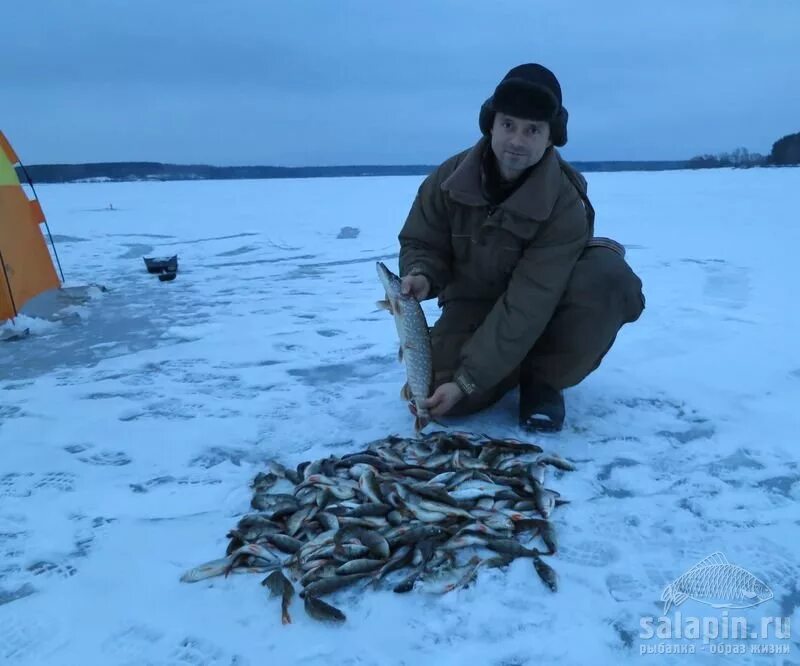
x,y
534,199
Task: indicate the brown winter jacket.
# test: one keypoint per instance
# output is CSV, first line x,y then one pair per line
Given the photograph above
x,y
507,266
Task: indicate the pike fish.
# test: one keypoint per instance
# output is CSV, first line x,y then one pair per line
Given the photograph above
x,y
415,343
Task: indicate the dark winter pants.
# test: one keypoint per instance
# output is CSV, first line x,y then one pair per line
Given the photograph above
x,y
603,294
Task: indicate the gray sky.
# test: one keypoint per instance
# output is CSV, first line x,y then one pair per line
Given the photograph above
x,y
324,82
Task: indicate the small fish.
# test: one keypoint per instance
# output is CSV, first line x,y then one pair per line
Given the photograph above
x,y
427,516
377,543
556,461
498,561
465,540
263,481
471,572
350,551
370,510
330,585
539,498
319,572
285,509
394,518
514,445
364,565
419,473
224,565
548,535
323,611
476,490
285,543
446,477
446,509
320,560
368,522
282,472
536,471
434,493
328,520
400,558
296,520
252,550
511,547
207,570
318,553
546,573
237,540
280,586
368,485
407,584
356,459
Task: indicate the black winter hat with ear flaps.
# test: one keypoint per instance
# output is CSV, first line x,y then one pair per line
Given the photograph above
x,y
532,92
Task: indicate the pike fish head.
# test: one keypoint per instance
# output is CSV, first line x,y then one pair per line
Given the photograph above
x,y
390,281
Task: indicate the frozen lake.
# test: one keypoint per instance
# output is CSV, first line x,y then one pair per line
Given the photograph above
x,y
130,430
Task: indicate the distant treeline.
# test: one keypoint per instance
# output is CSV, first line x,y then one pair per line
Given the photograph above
x,y
785,151
123,171
127,171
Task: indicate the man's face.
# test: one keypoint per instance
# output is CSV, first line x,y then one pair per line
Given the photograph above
x,y
518,143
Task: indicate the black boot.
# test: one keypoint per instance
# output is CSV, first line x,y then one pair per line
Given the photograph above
x,y
541,407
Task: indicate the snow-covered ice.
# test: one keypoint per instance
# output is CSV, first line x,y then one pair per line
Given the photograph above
x,y
131,426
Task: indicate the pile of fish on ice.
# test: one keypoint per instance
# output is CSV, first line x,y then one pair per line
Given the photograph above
x,y
441,505
400,511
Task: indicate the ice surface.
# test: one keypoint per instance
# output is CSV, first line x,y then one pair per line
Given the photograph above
x,y
130,429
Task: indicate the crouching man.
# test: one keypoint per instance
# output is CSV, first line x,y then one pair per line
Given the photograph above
x,y
503,235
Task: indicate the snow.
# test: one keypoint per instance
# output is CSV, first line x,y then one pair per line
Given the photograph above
x,y
131,428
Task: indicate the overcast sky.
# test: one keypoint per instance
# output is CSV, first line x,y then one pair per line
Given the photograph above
x,y
329,82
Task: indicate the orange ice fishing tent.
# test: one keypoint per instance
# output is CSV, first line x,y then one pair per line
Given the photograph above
x,y
26,268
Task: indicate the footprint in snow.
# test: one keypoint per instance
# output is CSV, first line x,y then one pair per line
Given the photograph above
x,y
52,569
623,587
131,642
217,455
15,484
9,595
193,650
9,413
63,481
589,553
329,333
727,286
28,638
606,470
167,480
107,459
688,435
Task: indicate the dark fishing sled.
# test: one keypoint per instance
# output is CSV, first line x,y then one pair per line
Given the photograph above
x,y
14,335
160,265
